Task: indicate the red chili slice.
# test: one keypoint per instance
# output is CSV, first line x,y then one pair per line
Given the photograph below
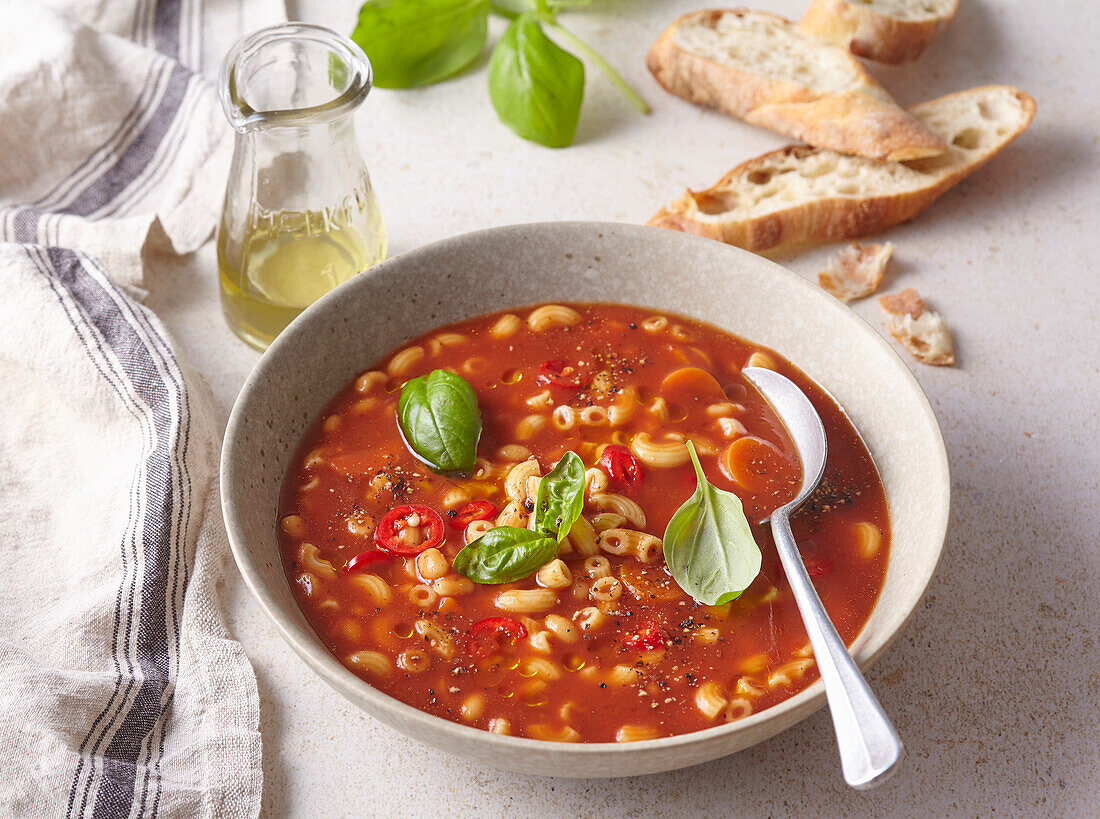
x,y
368,558
391,532
621,466
492,633
474,510
649,636
557,373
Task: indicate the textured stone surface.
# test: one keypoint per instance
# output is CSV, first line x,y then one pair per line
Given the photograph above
x,y
994,684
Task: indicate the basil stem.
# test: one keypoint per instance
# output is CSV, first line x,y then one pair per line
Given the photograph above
x,y
616,78
510,8
708,544
440,420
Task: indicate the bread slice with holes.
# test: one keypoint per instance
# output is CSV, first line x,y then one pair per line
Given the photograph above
x,y
800,195
888,31
760,68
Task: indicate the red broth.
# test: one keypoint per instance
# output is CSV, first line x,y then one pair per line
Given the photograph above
x,y
590,659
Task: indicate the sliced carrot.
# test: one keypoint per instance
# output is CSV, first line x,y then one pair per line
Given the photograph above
x,y
692,385
755,465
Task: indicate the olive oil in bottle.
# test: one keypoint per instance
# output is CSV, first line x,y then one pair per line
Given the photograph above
x,y
299,216
285,265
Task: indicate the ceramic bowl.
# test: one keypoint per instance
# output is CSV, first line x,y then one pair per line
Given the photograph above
x,y
357,323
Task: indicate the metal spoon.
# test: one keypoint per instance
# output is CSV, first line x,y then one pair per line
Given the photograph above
x,y
870,749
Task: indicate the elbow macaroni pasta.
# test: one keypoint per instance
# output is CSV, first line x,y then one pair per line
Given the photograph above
x,y
515,484
606,589
372,662
514,515
635,733
506,326
554,575
550,316
569,650
526,601
869,539
595,482
369,380
376,589
659,455
644,547
309,557
709,700
529,426
620,505
582,537
404,361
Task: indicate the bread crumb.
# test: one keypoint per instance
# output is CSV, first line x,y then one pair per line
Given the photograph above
x,y
857,270
921,331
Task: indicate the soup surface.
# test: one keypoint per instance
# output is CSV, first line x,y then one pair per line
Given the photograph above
x,y
602,644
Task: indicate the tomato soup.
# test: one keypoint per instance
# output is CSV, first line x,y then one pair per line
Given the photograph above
x,y
600,643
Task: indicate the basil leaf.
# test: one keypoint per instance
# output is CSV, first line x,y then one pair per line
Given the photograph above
x,y
536,86
505,554
440,420
709,547
420,42
511,8
560,498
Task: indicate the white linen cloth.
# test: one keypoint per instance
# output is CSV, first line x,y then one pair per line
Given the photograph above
x,y
121,693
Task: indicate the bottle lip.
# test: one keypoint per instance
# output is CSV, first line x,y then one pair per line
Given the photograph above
x,y
244,117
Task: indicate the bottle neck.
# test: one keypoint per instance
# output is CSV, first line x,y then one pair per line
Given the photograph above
x,y
291,75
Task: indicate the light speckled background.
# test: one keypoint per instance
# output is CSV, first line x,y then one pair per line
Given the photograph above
x,y
995,685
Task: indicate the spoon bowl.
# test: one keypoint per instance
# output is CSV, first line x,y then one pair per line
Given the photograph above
x,y
803,425
870,749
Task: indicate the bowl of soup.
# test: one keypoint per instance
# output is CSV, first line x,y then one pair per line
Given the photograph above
x,y
450,484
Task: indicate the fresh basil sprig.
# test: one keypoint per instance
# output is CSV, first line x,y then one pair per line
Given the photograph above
x,y
535,85
709,547
560,499
440,420
505,554
420,42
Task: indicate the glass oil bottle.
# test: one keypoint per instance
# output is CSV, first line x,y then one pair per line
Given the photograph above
x,y
300,216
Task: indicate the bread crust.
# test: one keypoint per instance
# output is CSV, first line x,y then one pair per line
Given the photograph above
x,y
819,220
863,120
871,34
921,331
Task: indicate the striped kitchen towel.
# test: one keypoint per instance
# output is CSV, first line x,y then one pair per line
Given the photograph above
x,y
121,693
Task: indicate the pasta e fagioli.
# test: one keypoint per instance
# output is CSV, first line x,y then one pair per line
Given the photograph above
x,y
596,642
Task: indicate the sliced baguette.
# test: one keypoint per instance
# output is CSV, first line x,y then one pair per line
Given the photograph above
x,y
889,31
798,195
760,68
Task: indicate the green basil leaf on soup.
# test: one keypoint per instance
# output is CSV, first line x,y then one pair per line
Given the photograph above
x,y
708,544
440,419
560,497
505,554
420,42
535,85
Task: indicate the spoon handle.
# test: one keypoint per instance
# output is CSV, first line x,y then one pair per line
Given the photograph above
x,y
870,748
